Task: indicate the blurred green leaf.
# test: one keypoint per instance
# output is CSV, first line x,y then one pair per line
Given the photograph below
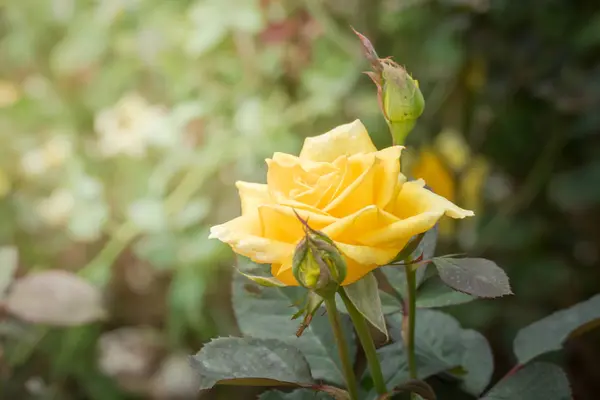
x,y
8,266
576,189
549,334
250,362
85,43
475,276
148,214
537,381
259,309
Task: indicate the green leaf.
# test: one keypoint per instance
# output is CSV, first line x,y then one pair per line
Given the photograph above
x,y
389,304
298,394
441,345
476,276
537,381
267,281
396,276
364,294
548,334
250,362
435,293
265,312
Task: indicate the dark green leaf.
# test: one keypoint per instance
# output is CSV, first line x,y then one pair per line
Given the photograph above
x,y
396,276
252,362
548,334
537,381
364,294
265,312
476,276
389,304
435,293
441,345
268,281
298,394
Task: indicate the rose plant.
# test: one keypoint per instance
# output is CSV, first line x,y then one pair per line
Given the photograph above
x,y
316,234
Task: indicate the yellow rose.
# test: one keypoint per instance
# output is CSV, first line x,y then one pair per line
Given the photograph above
x,y
344,188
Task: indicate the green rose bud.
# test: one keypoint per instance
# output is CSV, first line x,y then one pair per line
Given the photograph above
x,y
403,101
317,263
400,98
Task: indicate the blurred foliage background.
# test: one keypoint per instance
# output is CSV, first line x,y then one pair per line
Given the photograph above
x,y
125,123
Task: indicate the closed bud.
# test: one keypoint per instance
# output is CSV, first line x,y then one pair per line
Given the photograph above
x,y
403,102
318,264
400,98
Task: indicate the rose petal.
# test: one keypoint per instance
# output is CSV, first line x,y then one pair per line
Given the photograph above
x,y
386,177
357,187
305,181
420,209
243,235
252,195
347,139
397,235
367,255
414,199
281,223
348,229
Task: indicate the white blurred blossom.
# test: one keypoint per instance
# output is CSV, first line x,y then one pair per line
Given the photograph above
x,y
56,209
131,127
51,155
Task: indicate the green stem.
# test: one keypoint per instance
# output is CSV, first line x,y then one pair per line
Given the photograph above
x,y
364,335
409,330
334,320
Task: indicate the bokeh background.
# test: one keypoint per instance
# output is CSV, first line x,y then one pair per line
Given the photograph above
x,y
125,123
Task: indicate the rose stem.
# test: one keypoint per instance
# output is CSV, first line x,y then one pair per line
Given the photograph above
x,y
334,320
409,331
364,335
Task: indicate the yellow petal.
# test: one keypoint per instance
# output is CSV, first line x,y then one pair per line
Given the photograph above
x,y
252,195
243,235
281,223
396,236
366,255
283,272
305,181
386,178
347,139
360,189
415,199
348,229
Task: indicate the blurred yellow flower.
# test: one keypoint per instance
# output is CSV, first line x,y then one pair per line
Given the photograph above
x,y
439,165
344,188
